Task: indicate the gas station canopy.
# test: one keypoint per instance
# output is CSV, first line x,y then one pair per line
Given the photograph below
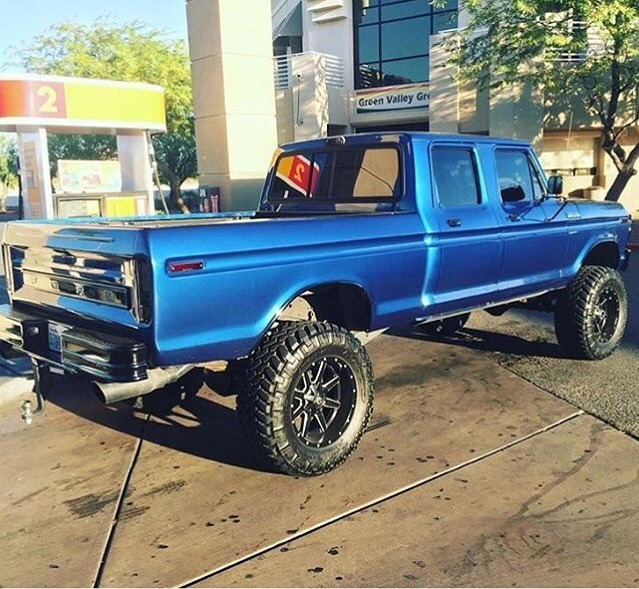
x,y
33,106
78,105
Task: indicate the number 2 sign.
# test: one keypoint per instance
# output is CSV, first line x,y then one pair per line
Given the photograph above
x,y
57,101
32,99
49,100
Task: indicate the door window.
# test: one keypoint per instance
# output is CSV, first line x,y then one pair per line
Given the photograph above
x,y
455,174
518,178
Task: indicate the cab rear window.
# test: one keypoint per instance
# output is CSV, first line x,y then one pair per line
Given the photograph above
x,y
348,175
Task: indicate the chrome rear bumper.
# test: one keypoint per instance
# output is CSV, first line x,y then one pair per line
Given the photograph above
x,y
100,355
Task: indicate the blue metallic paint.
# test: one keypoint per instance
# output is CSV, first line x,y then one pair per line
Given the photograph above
x,y
410,263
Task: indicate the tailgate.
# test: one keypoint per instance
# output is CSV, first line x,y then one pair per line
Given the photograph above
x,y
93,271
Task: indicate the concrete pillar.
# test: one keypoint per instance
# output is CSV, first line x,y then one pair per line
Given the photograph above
x,y
133,155
455,106
234,97
35,173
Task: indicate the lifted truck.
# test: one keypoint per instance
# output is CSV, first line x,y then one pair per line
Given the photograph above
x,y
352,235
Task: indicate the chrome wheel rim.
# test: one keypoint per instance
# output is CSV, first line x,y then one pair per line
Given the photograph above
x,y
605,317
323,401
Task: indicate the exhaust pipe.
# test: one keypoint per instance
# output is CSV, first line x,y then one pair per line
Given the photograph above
x,y
112,392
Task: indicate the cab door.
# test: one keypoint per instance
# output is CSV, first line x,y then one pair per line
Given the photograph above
x,y
535,230
469,237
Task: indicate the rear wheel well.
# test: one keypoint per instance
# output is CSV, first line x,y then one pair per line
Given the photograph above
x,y
346,305
603,254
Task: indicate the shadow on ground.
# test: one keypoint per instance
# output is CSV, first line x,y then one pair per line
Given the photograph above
x,y
201,425
488,341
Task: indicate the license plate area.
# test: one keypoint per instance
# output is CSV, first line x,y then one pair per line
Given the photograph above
x,y
55,336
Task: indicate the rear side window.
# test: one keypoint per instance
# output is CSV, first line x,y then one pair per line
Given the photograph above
x,y
343,176
518,178
455,175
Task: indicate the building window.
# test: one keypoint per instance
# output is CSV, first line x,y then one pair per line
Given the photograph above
x,y
391,39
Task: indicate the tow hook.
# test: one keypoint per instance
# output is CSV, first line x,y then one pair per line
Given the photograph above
x,y
41,383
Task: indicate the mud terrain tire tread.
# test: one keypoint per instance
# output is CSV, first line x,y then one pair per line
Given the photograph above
x,y
272,370
575,308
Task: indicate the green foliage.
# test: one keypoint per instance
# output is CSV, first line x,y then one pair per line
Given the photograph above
x,y
176,157
8,162
577,50
524,41
131,52
8,167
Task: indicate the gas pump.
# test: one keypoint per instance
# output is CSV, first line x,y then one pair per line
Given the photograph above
x,y
32,106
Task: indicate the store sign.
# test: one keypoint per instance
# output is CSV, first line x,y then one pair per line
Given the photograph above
x,y
395,98
89,176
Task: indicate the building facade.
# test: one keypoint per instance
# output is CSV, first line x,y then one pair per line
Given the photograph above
x,y
347,66
354,65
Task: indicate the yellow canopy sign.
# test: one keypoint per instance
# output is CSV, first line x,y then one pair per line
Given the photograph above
x,y
51,101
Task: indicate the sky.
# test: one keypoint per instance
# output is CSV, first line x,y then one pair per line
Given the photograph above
x,y
22,19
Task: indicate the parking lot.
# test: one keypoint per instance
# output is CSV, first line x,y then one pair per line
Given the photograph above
x,y
525,344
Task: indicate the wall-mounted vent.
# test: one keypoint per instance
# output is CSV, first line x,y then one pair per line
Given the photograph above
x,y
322,11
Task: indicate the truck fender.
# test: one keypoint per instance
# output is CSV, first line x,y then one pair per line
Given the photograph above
x,y
602,251
345,304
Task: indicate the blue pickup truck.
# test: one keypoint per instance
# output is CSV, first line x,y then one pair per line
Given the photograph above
x,y
352,235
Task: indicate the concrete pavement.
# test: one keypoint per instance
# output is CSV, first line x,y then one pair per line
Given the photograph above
x,y
525,344
556,510
469,475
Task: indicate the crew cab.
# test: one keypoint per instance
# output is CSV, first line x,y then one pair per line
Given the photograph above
x,y
352,235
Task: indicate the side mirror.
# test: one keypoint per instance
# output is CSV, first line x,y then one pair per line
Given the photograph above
x,y
555,185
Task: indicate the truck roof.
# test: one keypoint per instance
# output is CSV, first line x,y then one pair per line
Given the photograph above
x,y
395,136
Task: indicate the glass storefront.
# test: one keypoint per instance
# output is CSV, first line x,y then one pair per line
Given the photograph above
x,y
391,39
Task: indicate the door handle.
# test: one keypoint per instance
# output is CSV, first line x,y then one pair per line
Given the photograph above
x,y
514,217
454,222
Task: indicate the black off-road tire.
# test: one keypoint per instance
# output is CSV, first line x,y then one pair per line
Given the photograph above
x,y
280,375
591,313
444,327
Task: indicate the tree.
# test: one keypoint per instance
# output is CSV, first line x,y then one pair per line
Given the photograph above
x,y
8,168
176,159
585,49
126,52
